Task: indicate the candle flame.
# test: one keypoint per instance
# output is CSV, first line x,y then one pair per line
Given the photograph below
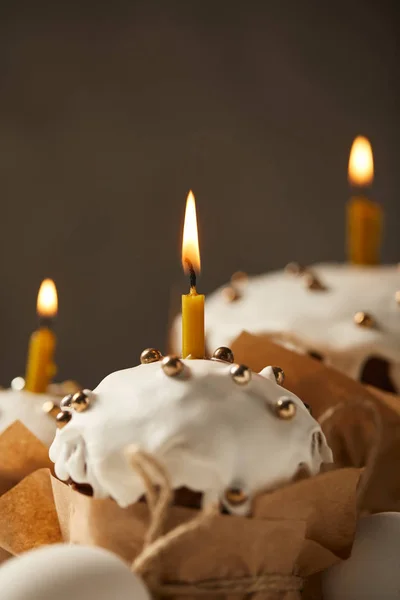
x,y
47,301
190,243
361,162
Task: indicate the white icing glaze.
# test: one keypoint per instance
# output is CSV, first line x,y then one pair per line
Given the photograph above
x,y
208,431
279,304
27,408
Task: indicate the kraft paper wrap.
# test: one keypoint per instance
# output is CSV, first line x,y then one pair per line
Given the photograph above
x,y
27,513
294,532
21,453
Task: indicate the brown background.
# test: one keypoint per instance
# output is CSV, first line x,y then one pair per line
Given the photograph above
x,y
110,112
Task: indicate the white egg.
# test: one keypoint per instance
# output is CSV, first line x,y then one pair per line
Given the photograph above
x,y
27,408
373,570
67,572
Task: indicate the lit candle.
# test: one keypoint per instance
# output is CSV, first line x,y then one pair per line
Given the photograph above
x,y
193,345
40,367
364,217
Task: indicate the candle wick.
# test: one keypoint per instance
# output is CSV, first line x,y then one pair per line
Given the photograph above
x,y
192,274
46,322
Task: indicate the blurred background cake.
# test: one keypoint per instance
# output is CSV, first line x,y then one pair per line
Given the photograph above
x,y
346,315
33,410
36,411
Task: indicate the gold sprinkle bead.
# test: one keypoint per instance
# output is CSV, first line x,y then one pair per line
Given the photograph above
x,y
293,268
279,375
50,408
223,353
240,374
363,319
230,294
285,409
47,406
397,296
80,402
312,283
235,496
70,387
65,403
172,366
62,419
150,355
239,277
18,384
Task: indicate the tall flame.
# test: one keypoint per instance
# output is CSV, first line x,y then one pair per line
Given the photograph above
x,y
190,243
47,301
361,162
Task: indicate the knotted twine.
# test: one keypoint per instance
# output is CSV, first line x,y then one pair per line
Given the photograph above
x,y
149,468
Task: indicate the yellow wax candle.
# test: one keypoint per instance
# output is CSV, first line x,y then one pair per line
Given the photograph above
x,y
193,338
40,367
193,343
364,217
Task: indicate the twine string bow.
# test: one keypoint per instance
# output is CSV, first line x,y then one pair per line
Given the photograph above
x,y
159,500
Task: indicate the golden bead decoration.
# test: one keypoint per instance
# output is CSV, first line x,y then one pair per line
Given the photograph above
x,y
224,354
150,355
70,386
363,319
47,406
279,375
235,496
65,403
17,384
240,374
293,268
230,294
397,296
62,419
313,283
50,408
239,277
80,402
285,408
172,366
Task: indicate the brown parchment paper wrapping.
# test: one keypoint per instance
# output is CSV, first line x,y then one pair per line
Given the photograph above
x,y
297,530
28,518
21,453
27,512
